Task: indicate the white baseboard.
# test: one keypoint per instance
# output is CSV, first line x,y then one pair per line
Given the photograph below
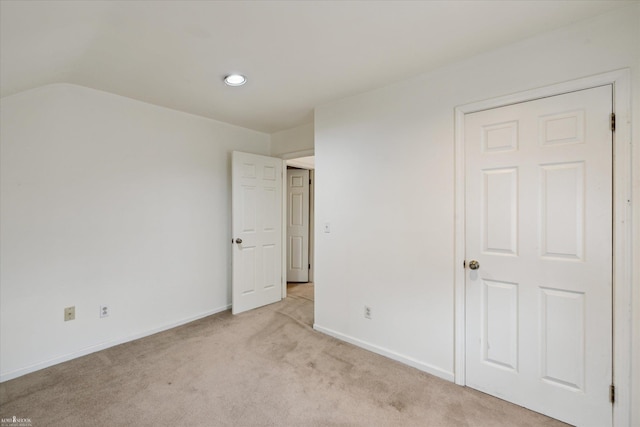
x,y
425,367
92,349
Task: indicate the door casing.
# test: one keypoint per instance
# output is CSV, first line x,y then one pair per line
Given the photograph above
x,y
622,227
283,219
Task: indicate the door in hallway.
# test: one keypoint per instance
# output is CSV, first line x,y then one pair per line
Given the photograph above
x,y
538,225
297,225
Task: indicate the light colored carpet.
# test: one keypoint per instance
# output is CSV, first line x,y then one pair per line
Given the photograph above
x,y
266,367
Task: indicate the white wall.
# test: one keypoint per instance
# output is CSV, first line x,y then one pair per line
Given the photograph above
x,y
295,142
107,200
385,182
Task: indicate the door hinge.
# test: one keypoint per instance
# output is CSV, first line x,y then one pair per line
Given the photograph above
x,y
613,122
309,181
612,393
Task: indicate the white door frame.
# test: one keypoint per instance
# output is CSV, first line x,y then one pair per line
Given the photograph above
x,y
285,157
622,227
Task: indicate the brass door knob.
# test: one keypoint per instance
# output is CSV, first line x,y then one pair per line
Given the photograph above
x,y
474,265
238,240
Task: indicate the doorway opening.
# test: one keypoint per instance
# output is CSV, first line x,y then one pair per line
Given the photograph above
x,y
300,221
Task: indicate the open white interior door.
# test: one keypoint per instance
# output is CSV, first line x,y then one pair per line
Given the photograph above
x,y
256,199
297,225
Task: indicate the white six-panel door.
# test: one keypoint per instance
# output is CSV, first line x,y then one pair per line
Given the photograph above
x,y
257,231
297,225
539,224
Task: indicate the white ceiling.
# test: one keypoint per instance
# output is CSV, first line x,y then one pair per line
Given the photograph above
x,y
296,55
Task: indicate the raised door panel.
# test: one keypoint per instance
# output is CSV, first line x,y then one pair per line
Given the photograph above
x,y
562,128
500,211
500,324
562,343
500,137
562,210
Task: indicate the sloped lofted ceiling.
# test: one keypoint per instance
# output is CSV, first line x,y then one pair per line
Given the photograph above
x,y
296,55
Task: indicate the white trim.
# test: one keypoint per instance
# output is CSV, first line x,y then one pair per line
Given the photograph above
x,y
92,349
297,154
623,238
283,221
312,224
622,226
285,157
430,369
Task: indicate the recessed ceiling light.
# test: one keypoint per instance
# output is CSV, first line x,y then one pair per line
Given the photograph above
x,y
235,80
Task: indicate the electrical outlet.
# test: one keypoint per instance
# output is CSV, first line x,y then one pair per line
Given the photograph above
x,y
367,312
69,313
104,311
